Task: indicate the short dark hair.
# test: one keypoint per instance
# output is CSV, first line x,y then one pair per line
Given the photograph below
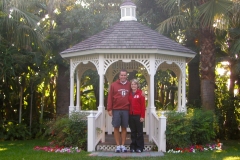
x,y
123,70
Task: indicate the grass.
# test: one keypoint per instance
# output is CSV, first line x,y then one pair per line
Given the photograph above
x,y
23,150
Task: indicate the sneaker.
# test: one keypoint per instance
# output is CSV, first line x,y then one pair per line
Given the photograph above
x,y
132,150
123,149
138,151
118,149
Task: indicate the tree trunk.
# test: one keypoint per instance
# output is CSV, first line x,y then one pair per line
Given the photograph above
x,y
194,92
63,91
207,60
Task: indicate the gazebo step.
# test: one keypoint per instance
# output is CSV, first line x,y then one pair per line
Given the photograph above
x,y
111,148
110,145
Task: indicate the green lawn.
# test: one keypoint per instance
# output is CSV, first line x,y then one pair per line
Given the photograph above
x,y
23,150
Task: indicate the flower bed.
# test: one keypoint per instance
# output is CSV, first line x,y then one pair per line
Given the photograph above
x,y
197,148
58,149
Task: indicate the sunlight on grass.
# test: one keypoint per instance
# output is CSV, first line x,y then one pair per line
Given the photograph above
x,y
11,144
231,158
3,149
218,151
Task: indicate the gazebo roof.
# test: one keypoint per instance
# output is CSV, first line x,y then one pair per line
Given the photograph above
x,y
128,35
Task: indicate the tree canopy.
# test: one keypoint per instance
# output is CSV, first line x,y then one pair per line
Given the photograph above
x,y
34,78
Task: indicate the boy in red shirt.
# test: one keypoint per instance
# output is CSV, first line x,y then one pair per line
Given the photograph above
x,y
118,108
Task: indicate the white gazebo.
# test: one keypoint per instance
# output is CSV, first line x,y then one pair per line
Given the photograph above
x,y
129,45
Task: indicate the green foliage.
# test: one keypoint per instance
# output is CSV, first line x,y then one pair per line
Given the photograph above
x,y
1,132
16,131
178,130
69,131
196,127
203,126
227,110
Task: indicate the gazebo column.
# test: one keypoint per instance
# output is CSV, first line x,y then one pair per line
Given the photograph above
x,y
78,108
183,106
152,108
109,126
101,107
179,92
147,127
109,77
71,107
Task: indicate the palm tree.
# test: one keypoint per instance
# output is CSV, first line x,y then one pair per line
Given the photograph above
x,y
231,48
22,44
198,17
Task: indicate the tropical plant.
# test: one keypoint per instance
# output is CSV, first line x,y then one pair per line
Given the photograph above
x,y
197,18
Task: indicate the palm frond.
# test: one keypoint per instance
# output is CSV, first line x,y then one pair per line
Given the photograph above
x,y
236,47
178,21
210,9
169,5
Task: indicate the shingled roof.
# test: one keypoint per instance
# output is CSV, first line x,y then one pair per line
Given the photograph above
x,y
128,35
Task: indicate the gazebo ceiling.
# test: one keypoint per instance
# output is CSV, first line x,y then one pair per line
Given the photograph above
x,y
127,35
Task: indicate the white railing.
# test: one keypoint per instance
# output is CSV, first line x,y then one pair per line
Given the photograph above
x,y
158,128
95,129
99,122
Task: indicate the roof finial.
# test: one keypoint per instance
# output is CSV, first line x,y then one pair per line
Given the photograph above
x,y
128,11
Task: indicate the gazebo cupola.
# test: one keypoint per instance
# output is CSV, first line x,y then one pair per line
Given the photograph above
x,y
128,11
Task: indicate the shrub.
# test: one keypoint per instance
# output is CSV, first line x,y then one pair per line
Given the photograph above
x,y
69,131
16,131
178,130
196,127
203,126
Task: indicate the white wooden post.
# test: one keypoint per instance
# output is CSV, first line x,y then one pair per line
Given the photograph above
x,y
78,92
109,124
91,132
179,93
183,106
162,134
152,108
101,107
71,107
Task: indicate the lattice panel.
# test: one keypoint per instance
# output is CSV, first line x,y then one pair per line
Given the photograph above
x,y
85,60
143,59
111,148
114,69
179,61
81,68
164,66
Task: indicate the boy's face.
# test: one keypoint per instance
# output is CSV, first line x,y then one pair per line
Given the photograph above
x,y
123,76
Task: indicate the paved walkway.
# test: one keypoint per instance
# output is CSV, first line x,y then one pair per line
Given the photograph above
x,y
127,154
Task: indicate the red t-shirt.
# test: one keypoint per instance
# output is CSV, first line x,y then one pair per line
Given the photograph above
x,y
118,96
